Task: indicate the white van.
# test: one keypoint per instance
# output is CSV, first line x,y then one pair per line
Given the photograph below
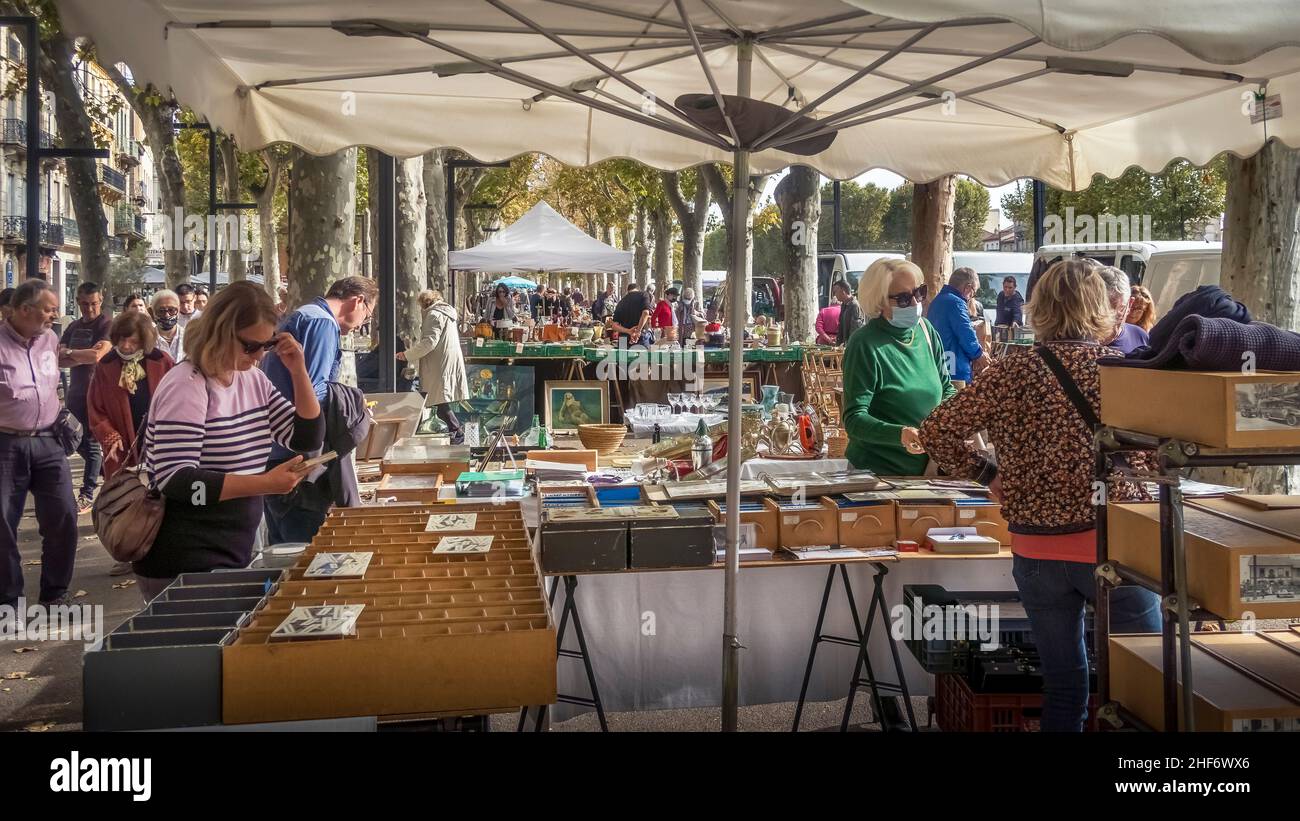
x,y
833,266
993,267
1167,268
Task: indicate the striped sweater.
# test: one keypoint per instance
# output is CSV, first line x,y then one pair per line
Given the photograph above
x,y
200,431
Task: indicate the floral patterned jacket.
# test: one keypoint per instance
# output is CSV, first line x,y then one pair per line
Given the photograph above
x,y
1043,447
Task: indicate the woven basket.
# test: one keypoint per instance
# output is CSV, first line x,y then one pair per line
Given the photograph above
x,y
604,439
837,443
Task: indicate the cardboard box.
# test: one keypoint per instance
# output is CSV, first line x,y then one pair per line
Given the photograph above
x,y
985,518
805,524
1232,567
1226,699
865,525
1232,409
753,512
914,521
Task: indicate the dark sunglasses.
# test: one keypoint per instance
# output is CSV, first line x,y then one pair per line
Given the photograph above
x,y
169,311
907,298
254,347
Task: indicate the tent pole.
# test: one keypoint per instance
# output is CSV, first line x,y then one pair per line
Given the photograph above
x,y
385,180
736,301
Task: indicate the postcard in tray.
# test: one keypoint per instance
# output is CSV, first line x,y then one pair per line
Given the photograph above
x,y
820,483
463,544
451,522
338,565
328,621
590,514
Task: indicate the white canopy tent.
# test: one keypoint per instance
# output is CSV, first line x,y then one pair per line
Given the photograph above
x,y
1058,90
542,240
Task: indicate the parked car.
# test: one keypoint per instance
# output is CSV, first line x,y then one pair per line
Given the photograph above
x,y
765,298
1168,269
833,266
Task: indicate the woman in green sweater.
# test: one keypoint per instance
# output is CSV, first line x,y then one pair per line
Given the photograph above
x,y
894,372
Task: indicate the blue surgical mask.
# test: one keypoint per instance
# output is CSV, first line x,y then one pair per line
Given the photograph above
x,y
906,317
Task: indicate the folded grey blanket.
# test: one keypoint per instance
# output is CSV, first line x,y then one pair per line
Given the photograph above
x,y
1201,343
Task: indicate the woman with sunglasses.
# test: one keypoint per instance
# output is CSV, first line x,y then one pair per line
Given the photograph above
x,y
500,308
894,372
210,429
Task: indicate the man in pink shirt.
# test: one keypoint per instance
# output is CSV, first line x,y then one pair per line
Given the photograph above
x,y
31,456
828,324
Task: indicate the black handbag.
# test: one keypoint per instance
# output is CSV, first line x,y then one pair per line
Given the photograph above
x,y
68,431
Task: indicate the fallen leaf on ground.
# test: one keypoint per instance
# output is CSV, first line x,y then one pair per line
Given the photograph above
x,y
39,726
80,594
24,649
15,676
32,563
7,689
126,583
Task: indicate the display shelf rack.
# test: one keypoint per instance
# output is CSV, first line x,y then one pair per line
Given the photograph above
x,y
1177,610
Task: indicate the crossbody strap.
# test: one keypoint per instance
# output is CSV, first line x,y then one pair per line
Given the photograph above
x,y
1071,388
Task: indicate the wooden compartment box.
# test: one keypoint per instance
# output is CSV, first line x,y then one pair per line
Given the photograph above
x,y
804,524
1232,567
456,633
409,487
1233,409
985,517
865,525
414,456
1227,699
753,512
915,520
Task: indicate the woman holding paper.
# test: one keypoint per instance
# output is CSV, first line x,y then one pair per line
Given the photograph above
x,y
1039,407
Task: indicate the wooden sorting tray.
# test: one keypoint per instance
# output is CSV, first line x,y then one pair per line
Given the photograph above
x,y
410,487
439,633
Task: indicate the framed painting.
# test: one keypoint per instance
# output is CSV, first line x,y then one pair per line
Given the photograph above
x,y
500,397
748,387
568,404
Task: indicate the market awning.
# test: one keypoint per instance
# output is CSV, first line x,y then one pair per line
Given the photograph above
x,y
921,87
542,240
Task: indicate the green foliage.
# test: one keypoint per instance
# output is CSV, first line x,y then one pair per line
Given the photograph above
x,y
1179,196
862,215
970,213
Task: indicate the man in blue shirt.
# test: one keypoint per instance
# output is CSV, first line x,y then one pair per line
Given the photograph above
x,y
317,326
950,316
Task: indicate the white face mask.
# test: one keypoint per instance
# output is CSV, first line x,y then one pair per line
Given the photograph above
x,y
129,357
906,317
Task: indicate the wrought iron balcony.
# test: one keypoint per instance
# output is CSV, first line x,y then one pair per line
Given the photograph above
x,y
14,229
117,246
128,221
71,233
14,133
129,152
112,178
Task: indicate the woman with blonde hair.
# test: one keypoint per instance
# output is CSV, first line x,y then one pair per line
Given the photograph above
x,y
894,372
1039,407
438,359
209,434
1142,309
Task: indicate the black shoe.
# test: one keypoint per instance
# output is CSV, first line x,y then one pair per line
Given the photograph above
x,y
85,504
64,600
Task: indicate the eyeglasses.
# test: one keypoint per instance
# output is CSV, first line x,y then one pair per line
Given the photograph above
x,y
254,347
169,311
907,298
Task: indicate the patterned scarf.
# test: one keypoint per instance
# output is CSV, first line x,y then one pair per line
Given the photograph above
x,y
132,371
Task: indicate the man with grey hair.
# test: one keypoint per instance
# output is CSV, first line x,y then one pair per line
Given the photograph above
x,y
30,448
1128,337
950,316
165,308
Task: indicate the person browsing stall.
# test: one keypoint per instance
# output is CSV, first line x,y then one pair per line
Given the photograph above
x,y
317,327
209,435
1038,421
1127,337
850,317
165,308
631,315
950,315
84,343
120,389
893,372
438,358
32,457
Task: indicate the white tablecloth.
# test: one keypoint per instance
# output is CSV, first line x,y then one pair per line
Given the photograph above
x,y
754,468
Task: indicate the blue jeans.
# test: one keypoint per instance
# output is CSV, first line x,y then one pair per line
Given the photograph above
x,y
1054,594
91,453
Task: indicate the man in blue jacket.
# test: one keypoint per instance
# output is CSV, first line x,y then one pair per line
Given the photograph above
x,y
317,326
950,315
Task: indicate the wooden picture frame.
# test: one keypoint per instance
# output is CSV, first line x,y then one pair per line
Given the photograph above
x,y
582,401
748,387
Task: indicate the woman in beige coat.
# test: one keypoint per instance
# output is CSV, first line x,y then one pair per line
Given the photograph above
x,y
438,360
